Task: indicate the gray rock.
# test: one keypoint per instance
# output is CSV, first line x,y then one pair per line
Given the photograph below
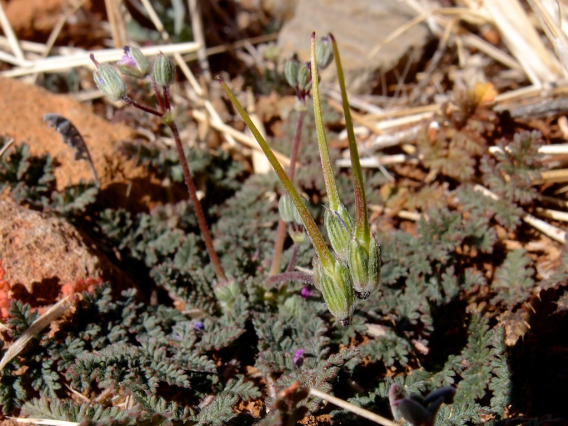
x,y
359,26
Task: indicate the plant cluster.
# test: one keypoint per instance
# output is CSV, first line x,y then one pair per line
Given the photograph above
x,y
183,349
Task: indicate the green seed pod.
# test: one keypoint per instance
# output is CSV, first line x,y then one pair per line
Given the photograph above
x,y
365,267
337,290
164,71
357,262
339,225
227,294
108,81
304,77
291,71
134,63
287,209
324,52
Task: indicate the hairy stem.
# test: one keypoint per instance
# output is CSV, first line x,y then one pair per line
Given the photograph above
x,y
294,258
157,93
291,276
330,185
281,230
361,214
144,108
201,222
316,238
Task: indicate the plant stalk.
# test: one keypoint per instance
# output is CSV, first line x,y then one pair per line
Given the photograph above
x,y
353,408
281,230
361,213
190,184
316,238
144,108
330,185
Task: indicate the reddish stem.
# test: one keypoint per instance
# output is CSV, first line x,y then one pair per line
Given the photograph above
x,y
290,276
157,93
144,108
201,222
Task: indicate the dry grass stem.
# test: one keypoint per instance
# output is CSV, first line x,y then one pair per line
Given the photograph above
x,y
239,136
546,228
187,72
56,31
553,214
116,21
552,176
522,39
9,32
353,408
6,146
37,326
197,29
557,149
81,58
377,162
552,29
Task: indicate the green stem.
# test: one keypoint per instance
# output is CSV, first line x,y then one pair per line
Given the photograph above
x,y
361,214
317,239
281,230
330,185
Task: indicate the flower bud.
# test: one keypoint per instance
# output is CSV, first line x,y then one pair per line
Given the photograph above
x,y
169,116
133,63
365,267
339,225
337,290
291,71
324,52
286,208
304,78
108,80
164,70
297,233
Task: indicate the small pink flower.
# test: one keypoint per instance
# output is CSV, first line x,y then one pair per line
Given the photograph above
x,y
134,63
298,357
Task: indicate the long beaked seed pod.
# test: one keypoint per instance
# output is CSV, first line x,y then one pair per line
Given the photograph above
x,y
337,290
339,227
365,267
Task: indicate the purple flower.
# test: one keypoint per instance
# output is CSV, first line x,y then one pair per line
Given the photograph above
x,y
298,357
134,63
127,59
198,325
305,292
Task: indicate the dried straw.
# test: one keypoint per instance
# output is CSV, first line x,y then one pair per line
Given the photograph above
x,y
37,326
